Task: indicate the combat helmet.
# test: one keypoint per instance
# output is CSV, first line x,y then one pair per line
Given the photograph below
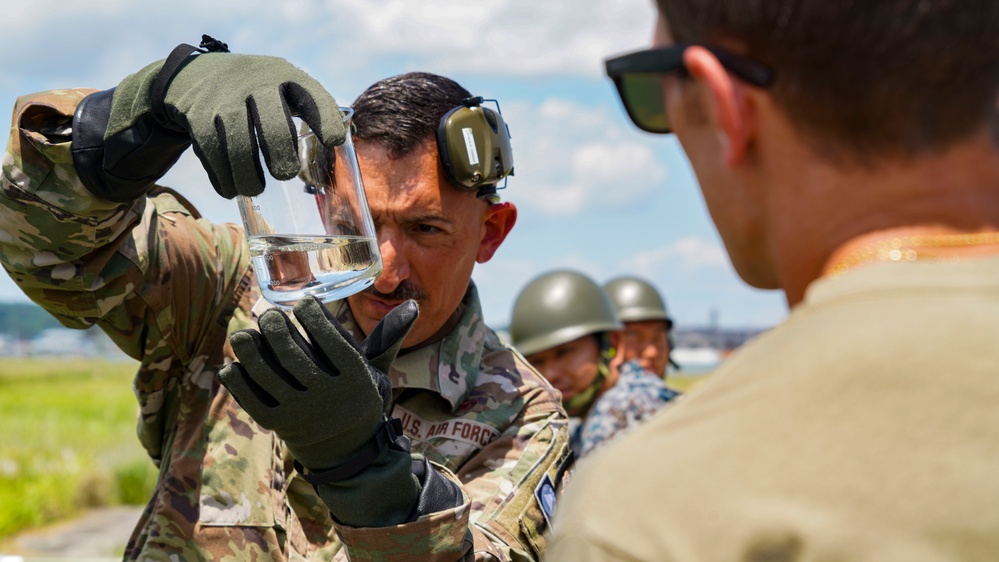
x,y
558,307
636,300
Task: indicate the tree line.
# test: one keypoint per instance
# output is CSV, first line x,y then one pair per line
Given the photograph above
x,y
24,320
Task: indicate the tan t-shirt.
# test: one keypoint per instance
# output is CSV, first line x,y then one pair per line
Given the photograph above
x,y
864,427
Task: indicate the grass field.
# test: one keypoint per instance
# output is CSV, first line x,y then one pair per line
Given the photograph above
x,y
684,382
68,440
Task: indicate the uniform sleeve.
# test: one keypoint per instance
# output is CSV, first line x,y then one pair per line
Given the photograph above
x,y
501,517
637,396
148,272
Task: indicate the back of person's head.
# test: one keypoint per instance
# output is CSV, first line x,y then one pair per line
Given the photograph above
x,y
402,113
558,307
862,80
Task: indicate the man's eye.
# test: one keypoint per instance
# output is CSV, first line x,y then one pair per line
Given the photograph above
x,y
427,229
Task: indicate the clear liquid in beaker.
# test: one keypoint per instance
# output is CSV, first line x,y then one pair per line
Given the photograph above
x,y
328,267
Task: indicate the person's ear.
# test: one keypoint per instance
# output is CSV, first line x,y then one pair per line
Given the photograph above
x,y
496,224
731,109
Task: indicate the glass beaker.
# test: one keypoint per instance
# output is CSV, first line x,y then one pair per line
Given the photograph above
x,y
313,234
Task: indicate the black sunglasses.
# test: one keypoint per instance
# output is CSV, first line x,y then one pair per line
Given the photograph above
x,y
638,80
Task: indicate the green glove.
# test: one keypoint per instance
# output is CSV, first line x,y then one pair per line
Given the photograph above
x,y
222,102
326,398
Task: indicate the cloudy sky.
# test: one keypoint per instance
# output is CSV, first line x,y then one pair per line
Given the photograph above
x,y
594,193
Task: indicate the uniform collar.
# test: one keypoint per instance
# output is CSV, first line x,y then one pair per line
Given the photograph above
x,y
934,275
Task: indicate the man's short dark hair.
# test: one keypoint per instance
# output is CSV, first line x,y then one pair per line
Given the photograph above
x,y
863,79
401,113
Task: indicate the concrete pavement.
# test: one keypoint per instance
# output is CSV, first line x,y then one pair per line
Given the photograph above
x,y
98,535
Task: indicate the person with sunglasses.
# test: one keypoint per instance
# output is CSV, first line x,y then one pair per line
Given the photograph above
x,y
848,154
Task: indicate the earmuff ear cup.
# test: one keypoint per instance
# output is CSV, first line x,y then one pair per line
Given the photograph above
x,y
444,149
474,147
502,149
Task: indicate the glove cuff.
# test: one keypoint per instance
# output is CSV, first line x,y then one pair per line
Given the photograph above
x,y
125,166
389,436
437,493
89,123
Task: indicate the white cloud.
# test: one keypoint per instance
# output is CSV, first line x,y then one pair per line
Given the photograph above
x,y
494,37
685,255
570,157
514,37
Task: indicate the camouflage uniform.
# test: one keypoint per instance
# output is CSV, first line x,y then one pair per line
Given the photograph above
x,y
636,396
168,287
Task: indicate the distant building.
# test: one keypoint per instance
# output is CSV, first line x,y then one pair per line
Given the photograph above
x,y
61,341
724,339
702,349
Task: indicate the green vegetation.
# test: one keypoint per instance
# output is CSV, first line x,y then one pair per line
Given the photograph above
x,y
684,382
68,441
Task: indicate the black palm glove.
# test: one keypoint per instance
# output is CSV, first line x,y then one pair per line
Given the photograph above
x,y
326,398
126,138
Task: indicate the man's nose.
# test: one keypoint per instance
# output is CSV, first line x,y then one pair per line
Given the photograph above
x,y
395,265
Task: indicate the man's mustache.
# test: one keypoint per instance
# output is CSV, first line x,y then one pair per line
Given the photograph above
x,y
403,292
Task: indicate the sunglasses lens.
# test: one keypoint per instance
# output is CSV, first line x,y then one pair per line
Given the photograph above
x,y
642,94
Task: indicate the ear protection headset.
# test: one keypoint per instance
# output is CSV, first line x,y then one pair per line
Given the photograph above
x,y
474,147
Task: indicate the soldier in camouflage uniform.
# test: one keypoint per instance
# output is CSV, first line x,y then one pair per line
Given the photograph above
x,y
567,327
87,235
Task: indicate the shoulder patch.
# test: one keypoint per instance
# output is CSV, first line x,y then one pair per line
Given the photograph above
x,y
544,494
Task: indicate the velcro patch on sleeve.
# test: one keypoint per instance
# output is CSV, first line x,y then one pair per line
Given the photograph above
x,y
544,494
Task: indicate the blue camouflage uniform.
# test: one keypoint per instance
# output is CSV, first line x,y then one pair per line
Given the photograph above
x,y
636,396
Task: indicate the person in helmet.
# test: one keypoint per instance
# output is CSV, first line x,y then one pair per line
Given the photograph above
x,y
566,327
647,324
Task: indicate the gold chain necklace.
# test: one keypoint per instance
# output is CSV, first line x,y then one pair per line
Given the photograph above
x,y
913,248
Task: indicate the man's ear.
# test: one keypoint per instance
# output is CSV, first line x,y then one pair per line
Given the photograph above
x,y
497,223
732,110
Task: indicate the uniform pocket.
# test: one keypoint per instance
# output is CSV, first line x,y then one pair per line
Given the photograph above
x,y
239,481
